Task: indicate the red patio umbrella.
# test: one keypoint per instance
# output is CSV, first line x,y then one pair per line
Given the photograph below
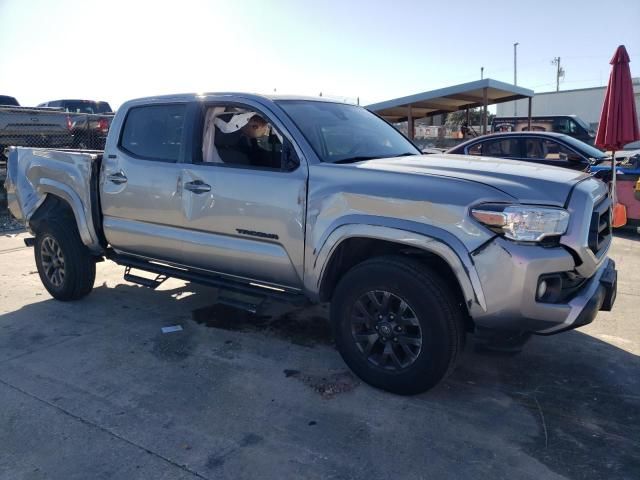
x,y
618,121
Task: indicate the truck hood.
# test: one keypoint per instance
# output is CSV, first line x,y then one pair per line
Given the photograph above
x,y
526,182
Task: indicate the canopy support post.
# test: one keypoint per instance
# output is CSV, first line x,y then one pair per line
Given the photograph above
x,y
410,131
529,117
467,124
485,101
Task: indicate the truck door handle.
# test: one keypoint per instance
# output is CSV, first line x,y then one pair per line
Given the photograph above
x,y
118,177
197,186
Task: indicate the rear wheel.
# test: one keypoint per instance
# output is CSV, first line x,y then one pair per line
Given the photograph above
x,y
397,325
66,268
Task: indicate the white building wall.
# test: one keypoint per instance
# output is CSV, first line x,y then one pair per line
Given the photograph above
x,y
586,103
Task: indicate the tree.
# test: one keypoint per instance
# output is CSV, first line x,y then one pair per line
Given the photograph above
x,y
456,119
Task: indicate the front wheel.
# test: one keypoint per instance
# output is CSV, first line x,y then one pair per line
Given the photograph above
x,y
397,325
66,268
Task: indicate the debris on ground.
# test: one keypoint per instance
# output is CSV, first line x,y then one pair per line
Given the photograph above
x,y
172,328
8,223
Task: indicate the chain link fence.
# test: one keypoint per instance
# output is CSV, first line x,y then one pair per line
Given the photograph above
x,y
46,128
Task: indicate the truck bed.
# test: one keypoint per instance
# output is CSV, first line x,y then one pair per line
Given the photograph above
x,y
34,173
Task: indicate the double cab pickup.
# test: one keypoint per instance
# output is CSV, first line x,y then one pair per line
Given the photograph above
x,y
308,200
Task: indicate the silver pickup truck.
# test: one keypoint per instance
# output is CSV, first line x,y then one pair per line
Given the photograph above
x,y
305,200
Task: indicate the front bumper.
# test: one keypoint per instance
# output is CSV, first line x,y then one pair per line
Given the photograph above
x,y
599,294
509,274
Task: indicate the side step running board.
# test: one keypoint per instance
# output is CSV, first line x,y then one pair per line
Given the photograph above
x,y
152,283
256,291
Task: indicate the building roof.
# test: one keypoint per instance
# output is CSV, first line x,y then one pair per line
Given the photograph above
x,y
635,81
449,99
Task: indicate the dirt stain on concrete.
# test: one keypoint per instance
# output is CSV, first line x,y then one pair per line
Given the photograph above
x,y
298,326
328,385
217,460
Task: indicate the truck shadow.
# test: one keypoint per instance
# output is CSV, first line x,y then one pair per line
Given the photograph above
x,y
582,394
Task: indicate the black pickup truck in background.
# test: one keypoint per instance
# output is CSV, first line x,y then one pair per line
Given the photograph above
x,y
7,101
75,124
89,121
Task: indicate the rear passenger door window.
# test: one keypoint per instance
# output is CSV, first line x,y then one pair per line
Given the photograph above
x,y
501,147
154,132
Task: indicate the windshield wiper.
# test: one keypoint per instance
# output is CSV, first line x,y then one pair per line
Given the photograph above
x,y
362,158
356,159
406,154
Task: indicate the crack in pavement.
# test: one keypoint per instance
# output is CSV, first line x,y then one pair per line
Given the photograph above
x,y
12,250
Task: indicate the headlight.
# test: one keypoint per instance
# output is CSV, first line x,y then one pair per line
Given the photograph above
x,y
524,223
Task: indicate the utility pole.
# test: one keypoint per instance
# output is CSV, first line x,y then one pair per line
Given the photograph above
x,y
559,71
515,63
481,73
515,75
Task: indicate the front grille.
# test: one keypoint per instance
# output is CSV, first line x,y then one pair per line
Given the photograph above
x,y
600,227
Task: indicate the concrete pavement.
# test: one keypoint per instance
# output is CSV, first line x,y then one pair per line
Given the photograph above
x,y
93,389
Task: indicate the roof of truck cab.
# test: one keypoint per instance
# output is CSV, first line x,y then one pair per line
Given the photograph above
x,y
186,97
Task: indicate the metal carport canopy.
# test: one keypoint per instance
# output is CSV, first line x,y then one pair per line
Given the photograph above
x,y
450,99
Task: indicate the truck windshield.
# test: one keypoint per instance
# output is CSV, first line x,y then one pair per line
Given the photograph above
x,y
340,133
583,124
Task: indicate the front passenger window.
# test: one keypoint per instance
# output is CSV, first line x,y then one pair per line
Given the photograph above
x,y
239,137
556,152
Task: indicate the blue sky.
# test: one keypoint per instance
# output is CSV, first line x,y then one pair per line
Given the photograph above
x,y
115,50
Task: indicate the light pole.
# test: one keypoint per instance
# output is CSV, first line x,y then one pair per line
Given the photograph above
x,y
515,75
481,73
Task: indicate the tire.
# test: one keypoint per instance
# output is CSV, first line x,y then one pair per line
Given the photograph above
x,y
58,247
430,313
